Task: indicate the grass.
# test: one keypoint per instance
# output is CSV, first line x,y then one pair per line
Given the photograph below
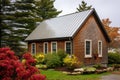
x,y
58,75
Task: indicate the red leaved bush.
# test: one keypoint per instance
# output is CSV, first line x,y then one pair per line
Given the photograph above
x,y
11,67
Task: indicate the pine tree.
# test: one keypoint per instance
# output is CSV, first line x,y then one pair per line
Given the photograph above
x,y
6,17
46,9
23,23
83,7
21,19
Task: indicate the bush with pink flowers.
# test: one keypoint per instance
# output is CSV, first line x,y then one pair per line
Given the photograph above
x,y
11,68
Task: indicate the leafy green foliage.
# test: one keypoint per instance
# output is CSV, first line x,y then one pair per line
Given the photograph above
x,y
61,55
71,61
83,7
113,58
98,66
52,60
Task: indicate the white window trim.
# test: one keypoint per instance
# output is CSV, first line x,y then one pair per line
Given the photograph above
x,y
44,47
51,46
88,56
32,47
100,55
71,46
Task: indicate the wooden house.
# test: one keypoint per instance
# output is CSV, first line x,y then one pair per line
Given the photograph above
x,y
81,34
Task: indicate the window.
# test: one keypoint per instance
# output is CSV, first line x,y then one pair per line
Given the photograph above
x,y
100,48
54,47
45,47
68,47
88,48
33,48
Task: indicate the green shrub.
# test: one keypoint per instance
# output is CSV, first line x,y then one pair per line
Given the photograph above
x,y
116,65
52,60
97,66
113,58
61,55
71,62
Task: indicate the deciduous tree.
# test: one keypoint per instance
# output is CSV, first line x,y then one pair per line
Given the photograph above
x,y
113,32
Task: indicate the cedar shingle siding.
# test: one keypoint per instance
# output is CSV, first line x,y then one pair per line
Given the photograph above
x,y
91,31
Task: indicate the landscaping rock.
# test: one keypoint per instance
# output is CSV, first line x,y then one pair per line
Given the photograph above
x,y
72,73
110,68
79,70
99,71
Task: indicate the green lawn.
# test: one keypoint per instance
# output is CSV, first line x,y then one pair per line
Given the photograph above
x,y
58,75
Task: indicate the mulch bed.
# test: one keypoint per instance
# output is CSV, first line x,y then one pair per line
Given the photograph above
x,y
63,69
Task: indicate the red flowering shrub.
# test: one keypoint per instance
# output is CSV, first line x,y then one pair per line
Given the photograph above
x,y
11,67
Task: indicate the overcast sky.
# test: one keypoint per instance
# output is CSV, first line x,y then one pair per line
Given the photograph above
x,y
104,8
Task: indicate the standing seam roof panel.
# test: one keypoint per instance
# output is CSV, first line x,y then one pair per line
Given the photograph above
x,y
64,26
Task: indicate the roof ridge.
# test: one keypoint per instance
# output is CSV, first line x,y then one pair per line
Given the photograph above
x,y
68,14
74,13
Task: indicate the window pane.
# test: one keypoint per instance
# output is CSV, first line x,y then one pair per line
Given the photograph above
x,y
33,48
46,48
53,47
87,47
68,47
100,48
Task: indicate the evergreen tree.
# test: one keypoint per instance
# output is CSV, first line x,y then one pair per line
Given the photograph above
x,y
83,7
18,19
23,23
46,9
6,17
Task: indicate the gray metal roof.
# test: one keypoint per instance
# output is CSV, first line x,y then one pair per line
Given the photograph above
x,y
64,26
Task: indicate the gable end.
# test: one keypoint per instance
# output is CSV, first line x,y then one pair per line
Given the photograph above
x,y
98,22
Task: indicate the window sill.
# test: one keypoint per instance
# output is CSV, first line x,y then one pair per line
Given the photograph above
x,y
88,56
99,55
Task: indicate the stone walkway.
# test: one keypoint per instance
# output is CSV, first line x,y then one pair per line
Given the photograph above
x,y
111,77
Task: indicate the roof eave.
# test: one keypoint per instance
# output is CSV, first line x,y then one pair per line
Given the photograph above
x,y
102,27
50,39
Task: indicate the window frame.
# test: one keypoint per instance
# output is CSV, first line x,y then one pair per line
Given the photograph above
x,y
70,46
32,48
100,54
52,47
44,47
90,55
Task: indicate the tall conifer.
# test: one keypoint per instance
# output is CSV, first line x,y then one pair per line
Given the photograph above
x,y
83,7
